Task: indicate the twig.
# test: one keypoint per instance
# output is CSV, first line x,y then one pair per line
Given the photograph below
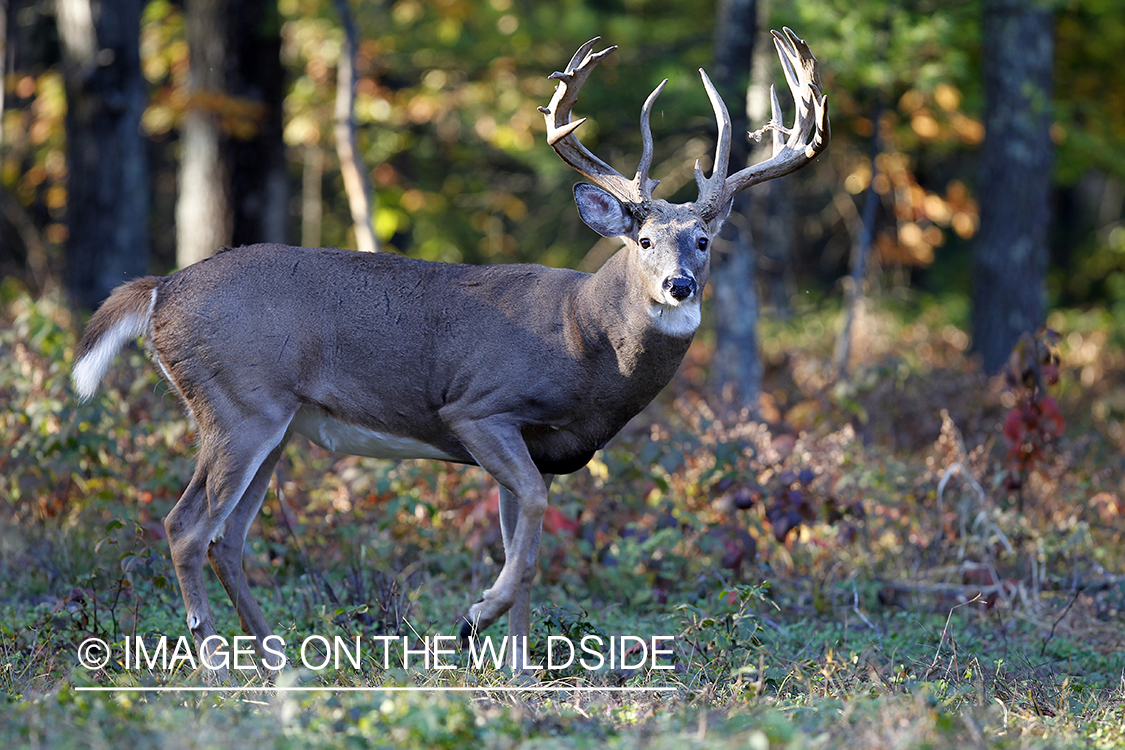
x,y
327,587
948,588
975,732
982,519
944,632
855,608
38,259
960,468
1051,635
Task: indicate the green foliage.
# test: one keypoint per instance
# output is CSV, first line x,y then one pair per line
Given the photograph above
x,y
723,633
896,614
884,49
903,606
448,128
447,115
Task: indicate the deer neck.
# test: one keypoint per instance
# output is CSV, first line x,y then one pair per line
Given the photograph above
x,y
616,316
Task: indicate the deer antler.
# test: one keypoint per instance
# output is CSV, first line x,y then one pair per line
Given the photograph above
x,y
635,193
808,137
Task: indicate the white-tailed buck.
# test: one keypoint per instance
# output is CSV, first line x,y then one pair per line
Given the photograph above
x,y
523,370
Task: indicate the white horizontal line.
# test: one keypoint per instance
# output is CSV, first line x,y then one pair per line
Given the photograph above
x,y
342,689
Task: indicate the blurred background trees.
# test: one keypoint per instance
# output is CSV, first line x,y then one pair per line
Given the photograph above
x,y
1010,255
105,193
138,136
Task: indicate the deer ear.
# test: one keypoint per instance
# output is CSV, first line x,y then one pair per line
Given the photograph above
x,y
601,211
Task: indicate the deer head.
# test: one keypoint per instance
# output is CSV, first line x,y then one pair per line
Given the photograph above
x,y
669,243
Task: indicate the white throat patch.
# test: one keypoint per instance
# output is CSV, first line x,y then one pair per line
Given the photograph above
x,y
677,320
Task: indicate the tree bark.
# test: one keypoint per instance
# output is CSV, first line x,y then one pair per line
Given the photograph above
x,y
312,200
736,369
771,207
861,249
259,181
1010,254
3,60
107,184
203,212
355,182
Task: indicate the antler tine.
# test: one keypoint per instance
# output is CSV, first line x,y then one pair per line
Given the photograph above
x,y
712,190
778,133
801,72
641,181
579,57
561,137
792,148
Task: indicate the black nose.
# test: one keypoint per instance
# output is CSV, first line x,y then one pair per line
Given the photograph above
x,y
680,287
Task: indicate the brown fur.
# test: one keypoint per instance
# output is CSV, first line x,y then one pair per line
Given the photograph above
x,y
131,298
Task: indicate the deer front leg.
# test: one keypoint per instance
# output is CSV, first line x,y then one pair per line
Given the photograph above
x,y
498,447
519,616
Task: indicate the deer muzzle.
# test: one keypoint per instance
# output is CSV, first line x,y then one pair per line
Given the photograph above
x,y
680,287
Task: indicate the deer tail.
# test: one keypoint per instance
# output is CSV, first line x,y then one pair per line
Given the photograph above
x,y
124,316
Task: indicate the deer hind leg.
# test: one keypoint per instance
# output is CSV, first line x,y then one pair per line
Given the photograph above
x,y
225,470
187,552
225,556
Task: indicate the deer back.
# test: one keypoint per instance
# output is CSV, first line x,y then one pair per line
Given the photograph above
x,y
388,343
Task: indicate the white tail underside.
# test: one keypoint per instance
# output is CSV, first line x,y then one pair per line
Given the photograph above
x,y
90,369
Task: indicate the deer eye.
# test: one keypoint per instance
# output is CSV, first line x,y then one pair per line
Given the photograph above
x,y
703,243
646,243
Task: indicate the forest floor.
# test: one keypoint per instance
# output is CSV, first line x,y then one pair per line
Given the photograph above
x,y
908,558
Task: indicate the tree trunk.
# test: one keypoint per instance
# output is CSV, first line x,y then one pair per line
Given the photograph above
x,y
1010,255
854,284
107,184
736,370
259,180
771,208
312,201
203,213
3,60
351,166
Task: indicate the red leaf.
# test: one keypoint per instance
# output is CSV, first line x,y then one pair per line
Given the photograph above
x,y
1014,428
1050,409
554,522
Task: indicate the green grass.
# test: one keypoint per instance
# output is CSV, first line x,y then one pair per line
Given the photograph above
x,y
869,624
